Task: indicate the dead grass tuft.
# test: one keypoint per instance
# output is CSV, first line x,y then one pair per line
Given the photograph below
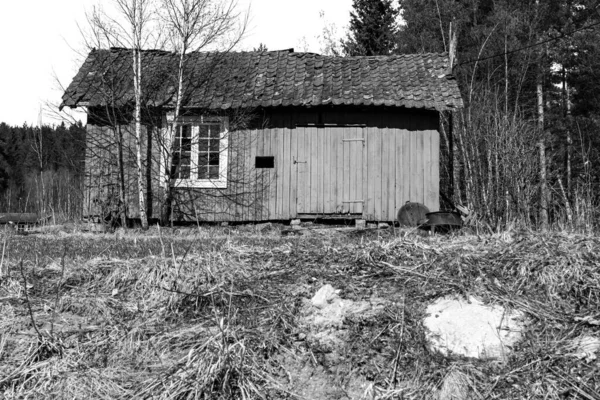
x,y
218,313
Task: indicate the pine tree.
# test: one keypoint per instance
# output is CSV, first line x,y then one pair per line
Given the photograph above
x,y
373,28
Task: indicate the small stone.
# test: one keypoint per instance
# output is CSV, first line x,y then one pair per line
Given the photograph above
x,y
295,222
360,224
225,223
383,225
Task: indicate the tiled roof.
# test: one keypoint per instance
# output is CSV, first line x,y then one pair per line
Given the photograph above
x,y
267,79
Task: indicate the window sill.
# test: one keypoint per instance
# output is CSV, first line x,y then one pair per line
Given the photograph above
x,y
200,183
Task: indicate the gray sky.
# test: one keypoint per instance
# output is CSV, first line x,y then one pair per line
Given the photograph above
x,y
39,40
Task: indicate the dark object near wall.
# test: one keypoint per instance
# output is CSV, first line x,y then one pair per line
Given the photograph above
x,y
412,214
444,221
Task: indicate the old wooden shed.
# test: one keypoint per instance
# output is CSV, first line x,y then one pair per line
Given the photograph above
x,y
267,135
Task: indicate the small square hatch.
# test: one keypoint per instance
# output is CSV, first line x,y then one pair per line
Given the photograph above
x,y
265,162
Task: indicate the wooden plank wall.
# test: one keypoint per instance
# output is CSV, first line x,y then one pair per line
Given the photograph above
x,y
102,172
319,170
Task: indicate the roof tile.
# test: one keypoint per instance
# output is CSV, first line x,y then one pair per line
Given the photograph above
x,y
268,79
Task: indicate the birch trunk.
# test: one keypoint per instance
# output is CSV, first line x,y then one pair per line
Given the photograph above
x,y
168,147
542,150
137,85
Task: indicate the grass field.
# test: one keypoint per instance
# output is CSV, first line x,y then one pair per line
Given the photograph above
x,y
216,313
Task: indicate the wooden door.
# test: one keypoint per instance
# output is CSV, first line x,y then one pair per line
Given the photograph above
x,y
351,184
329,167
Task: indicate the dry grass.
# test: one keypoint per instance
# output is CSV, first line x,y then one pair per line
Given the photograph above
x,y
212,313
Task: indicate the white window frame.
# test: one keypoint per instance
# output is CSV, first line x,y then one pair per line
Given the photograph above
x,y
195,122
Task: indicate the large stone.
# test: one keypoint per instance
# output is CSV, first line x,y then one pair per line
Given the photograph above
x,y
470,328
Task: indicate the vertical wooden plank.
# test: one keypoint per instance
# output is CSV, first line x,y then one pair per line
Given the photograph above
x,y
274,175
337,168
385,156
377,174
326,135
279,160
251,176
320,136
349,167
427,193
267,176
398,155
293,134
353,156
301,169
391,175
286,172
406,149
314,170
358,166
258,176
435,171
346,170
412,167
420,170
372,140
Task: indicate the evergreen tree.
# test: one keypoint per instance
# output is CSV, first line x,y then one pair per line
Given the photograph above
x,y
372,30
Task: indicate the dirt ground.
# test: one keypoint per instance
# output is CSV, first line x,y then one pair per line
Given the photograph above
x,y
327,313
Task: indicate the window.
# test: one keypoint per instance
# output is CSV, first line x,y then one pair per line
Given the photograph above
x,y
200,153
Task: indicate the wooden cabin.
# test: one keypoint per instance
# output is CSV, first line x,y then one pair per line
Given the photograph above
x,y
266,135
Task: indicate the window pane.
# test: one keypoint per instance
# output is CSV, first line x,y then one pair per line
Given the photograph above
x,y
214,145
184,167
203,173
202,159
186,138
203,131
203,144
215,130
214,159
175,165
214,172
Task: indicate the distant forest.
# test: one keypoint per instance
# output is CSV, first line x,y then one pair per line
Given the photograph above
x,y
41,170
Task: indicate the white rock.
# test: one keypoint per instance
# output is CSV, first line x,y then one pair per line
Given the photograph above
x,y
325,295
471,328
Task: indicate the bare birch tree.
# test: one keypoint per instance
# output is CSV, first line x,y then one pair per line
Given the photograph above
x,y
137,14
194,25
134,26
